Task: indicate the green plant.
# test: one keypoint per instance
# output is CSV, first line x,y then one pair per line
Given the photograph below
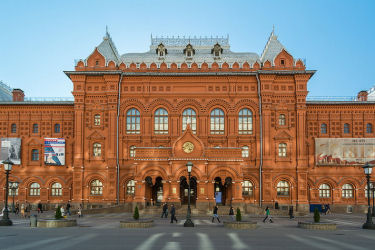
x,y
58,214
136,214
316,215
238,215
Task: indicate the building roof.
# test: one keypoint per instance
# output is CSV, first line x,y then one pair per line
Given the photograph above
x,y
272,49
5,92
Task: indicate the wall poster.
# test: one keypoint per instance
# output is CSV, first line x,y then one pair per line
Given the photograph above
x,y
344,151
54,151
11,148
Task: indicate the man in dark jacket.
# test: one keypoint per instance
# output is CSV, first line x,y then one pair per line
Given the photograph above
x,y
165,211
68,208
215,214
173,214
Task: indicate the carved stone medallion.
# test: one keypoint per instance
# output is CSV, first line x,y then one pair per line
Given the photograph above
x,y
188,147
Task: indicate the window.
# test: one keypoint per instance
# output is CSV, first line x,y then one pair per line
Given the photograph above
x,y
283,188
161,50
282,150
189,54
189,51
13,188
133,121
371,190
97,120
14,128
347,191
97,149
323,128
368,128
189,116
34,189
132,151
282,120
247,188
245,122
324,191
217,53
96,63
56,189
161,122
245,151
130,187
57,128
35,128
217,50
96,187
282,62
217,122
35,155
346,128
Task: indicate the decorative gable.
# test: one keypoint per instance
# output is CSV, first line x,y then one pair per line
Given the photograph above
x,y
188,145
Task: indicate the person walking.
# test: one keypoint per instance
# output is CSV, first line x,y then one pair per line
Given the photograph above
x,y
268,216
23,210
79,211
165,211
231,213
28,210
173,214
291,216
215,214
17,208
40,207
68,208
327,209
62,210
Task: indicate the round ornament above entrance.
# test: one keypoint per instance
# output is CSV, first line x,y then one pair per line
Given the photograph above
x,y
188,147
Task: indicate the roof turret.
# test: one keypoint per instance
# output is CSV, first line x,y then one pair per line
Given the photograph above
x,y
272,49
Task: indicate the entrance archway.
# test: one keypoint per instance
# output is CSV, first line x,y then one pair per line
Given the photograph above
x,y
223,191
184,190
157,191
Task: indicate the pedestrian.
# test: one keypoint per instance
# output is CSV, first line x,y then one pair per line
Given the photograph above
x,y
2,212
79,211
173,214
268,216
214,215
23,210
68,208
17,211
40,207
323,209
28,210
231,213
291,216
327,209
165,211
62,211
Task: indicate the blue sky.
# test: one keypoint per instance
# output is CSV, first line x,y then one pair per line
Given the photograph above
x,y
40,39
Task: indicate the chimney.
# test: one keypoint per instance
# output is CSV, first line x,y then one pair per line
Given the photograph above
x,y
18,95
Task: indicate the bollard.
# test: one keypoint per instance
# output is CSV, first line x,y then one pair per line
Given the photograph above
x,y
33,221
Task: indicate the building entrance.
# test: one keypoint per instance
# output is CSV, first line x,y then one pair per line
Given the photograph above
x,y
157,191
223,192
184,190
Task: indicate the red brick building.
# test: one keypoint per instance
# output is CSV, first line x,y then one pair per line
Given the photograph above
x,y
136,120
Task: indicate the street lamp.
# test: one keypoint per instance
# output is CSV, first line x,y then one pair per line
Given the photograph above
x,y
373,197
7,167
188,222
368,225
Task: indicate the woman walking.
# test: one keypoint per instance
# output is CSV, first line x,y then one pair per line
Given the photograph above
x,y
231,213
268,216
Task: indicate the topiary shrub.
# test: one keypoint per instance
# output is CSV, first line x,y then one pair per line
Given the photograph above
x,y
316,215
238,215
136,213
58,214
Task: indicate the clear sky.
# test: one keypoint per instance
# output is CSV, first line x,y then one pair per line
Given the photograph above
x,y
40,39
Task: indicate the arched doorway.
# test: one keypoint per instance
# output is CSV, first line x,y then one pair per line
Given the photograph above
x,y
157,191
184,190
223,191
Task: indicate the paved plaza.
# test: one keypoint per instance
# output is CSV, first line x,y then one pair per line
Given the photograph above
x,y
101,231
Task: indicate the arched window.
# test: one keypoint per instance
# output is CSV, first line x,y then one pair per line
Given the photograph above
x,y
56,189
368,128
283,188
371,191
97,120
132,151
245,122
189,116
161,122
323,128
133,121
35,155
97,149
217,122
34,189
35,128
347,191
282,120
14,128
346,128
130,187
247,188
96,187
282,150
13,188
245,151
57,128
324,191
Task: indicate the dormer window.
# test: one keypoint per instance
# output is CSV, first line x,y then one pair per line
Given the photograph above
x,y
217,50
161,51
189,51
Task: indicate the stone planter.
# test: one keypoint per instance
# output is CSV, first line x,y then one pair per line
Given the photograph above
x,y
240,224
136,223
317,226
52,223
